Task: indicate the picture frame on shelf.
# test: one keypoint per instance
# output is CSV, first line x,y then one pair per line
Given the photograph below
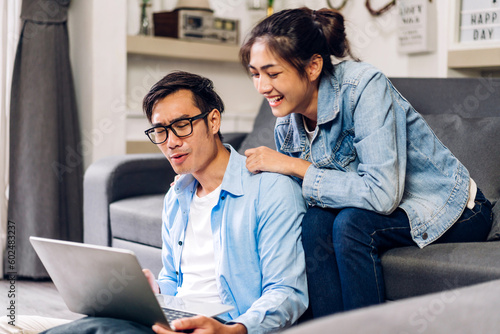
x,y
474,35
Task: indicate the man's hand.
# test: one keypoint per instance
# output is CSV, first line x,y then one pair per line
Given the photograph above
x,y
152,281
201,325
264,159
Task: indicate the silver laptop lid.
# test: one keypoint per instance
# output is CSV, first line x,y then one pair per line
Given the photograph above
x,y
99,281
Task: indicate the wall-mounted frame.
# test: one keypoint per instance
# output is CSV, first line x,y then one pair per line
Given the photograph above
x,y
475,34
416,26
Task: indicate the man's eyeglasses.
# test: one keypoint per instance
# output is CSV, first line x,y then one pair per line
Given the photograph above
x,y
180,128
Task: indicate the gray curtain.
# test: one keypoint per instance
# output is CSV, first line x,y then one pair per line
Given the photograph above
x,y
45,181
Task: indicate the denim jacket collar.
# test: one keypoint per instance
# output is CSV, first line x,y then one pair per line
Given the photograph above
x,y
328,103
328,110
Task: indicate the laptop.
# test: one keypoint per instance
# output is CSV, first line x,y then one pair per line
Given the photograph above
x,y
108,282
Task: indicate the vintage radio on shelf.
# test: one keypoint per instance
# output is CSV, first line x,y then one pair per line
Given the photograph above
x,y
193,24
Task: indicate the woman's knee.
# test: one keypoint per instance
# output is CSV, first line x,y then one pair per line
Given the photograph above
x,y
317,228
350,224
317,220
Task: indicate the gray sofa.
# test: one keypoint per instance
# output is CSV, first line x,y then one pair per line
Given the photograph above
x,y
470,310
123,195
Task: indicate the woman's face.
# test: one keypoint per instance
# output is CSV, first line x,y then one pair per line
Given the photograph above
x,y
281,84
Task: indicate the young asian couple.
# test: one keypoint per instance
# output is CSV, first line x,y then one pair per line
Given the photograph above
x,y
355,165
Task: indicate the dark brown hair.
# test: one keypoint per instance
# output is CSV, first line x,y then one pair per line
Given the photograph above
x,y
204,96
295,35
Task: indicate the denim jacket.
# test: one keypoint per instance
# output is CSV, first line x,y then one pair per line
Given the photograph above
x,y
372,150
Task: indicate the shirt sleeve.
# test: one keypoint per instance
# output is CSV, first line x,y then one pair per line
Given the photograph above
x,y
284,287
377,183
167,278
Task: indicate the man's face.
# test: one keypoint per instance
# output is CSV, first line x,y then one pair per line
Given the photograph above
x,y
191,154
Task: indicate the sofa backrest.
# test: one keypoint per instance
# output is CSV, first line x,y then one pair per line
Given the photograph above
x,y
463,112
263,130
465,115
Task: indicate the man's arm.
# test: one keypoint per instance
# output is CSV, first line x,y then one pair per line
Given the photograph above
x,y
167,278
284,287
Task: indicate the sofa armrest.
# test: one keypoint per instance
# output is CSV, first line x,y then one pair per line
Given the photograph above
x,y
117,177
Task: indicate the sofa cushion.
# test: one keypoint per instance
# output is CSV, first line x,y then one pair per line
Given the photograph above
x,y
466,138
411,271
137,219
263,130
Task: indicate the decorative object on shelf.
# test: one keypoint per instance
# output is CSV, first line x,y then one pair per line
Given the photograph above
x,y
270,7
479,21
194,5
145,23
417,26
261,4
200,25
380,11
340,7
257,4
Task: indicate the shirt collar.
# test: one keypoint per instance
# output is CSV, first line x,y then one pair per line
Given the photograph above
x,y
232,181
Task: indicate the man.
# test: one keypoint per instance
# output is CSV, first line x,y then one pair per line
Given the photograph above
x,y
228,236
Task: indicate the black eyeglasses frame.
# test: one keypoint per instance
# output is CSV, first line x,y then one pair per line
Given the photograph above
x,y
167,127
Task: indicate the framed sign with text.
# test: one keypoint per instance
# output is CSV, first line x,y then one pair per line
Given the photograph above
x,y
416,31
479,21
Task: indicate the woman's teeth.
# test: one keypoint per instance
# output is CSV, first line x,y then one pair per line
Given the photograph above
x,y
275,99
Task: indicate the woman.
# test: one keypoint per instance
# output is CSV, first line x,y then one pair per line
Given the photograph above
x,y
373,173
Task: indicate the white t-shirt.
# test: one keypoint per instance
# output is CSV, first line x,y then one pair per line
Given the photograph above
x,y
309,132
198,259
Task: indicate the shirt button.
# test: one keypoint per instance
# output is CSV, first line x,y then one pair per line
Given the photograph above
x,y
180,243
425,236
222,198
177,273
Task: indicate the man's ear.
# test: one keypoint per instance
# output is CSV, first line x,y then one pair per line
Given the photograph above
x,y
214,119
314,67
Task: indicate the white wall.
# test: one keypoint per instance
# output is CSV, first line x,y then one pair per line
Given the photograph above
x,y
98,55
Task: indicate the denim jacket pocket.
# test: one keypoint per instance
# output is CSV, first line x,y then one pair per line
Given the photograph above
x,y
344,151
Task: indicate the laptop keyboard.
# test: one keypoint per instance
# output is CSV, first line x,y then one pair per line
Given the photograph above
x,y
176,314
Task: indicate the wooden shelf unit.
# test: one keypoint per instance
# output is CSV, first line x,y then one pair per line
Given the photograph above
x,y
182,49
481,57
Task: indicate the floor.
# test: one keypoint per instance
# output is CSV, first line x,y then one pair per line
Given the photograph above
x,y
34,298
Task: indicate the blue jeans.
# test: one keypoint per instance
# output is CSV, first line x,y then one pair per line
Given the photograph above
x,y
343,249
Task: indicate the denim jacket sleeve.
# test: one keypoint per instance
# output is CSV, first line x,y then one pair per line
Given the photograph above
x,y
374,179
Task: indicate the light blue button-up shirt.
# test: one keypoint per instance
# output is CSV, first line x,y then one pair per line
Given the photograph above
x,y
259,259
372,150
